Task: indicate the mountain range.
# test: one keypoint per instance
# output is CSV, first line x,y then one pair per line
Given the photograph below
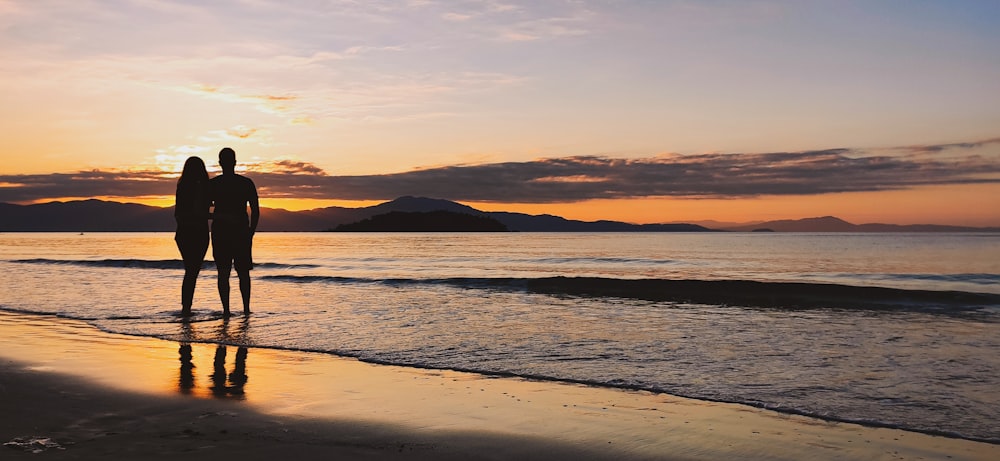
x,y
104,216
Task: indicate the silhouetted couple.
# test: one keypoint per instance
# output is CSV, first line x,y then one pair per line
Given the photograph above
x,y
231,230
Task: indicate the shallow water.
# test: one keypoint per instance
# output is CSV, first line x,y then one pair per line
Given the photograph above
x,y
434,300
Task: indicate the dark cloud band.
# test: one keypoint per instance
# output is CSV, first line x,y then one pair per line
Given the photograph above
x,y
572,179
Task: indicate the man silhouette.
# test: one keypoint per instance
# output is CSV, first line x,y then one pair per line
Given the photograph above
x,y
232,231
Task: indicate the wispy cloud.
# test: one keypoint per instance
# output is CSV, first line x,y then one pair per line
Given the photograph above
x,y
935,148
456,17
568,179
546,28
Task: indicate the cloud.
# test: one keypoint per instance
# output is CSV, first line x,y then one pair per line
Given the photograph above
x,y
241,132
547,28
573,179
566,179
935,148
296,167
85,184
457,17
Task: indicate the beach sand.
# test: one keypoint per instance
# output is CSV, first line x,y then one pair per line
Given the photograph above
x,y
93,395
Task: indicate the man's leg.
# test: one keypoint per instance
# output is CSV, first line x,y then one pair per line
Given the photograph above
x,y
224,267
241,261
244,276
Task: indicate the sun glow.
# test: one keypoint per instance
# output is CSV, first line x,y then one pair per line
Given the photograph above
x,y
170,163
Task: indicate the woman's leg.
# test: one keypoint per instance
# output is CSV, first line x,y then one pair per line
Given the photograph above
x,y
191,270
193,251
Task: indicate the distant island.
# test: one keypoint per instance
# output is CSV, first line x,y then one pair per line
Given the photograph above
x,y
105,216
834,224
428,221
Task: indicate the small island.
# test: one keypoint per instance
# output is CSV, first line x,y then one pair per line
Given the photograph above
x,y
430,221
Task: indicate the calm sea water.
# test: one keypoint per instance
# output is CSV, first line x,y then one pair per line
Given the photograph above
x,y
913,360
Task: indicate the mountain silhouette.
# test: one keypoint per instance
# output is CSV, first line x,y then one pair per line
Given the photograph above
x,y
85,216
422,204
104,216
822,224
834,224
424,221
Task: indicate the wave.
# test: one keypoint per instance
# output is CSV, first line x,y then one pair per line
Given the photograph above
x,y
610,260
40,312
976,279
743,293
147,263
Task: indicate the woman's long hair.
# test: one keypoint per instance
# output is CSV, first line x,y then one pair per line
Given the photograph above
x,y
194,173
192,191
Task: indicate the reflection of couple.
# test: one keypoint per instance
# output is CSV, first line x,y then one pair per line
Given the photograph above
x,y
232,230
223,384
236,380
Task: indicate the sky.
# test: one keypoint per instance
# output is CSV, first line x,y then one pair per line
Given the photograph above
x,y
638,111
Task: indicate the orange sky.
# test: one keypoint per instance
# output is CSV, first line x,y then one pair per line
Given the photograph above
x,y
960,205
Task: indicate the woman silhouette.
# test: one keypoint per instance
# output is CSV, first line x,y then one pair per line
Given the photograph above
x,y
191,213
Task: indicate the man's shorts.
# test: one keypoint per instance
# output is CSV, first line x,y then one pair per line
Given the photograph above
x,y
231,244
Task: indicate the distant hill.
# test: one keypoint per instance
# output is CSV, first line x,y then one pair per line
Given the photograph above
x,y
712,224
827,223
424,221
103,216
833,224
85,216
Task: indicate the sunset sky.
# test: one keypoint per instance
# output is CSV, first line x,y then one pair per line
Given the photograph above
x,y
639,111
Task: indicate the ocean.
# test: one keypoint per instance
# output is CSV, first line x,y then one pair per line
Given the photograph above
x,y
893,330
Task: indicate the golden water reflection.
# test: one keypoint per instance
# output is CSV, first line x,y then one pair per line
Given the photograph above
x,y
221,383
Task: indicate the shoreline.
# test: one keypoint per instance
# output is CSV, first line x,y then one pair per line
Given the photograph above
x,y
66,417
120,397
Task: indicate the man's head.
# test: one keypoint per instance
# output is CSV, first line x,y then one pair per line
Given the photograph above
x,y
227,159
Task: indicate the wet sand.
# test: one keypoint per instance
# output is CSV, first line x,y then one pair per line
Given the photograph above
x,y
94,395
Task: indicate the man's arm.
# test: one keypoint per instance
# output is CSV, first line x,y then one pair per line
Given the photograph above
x,y
254,208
